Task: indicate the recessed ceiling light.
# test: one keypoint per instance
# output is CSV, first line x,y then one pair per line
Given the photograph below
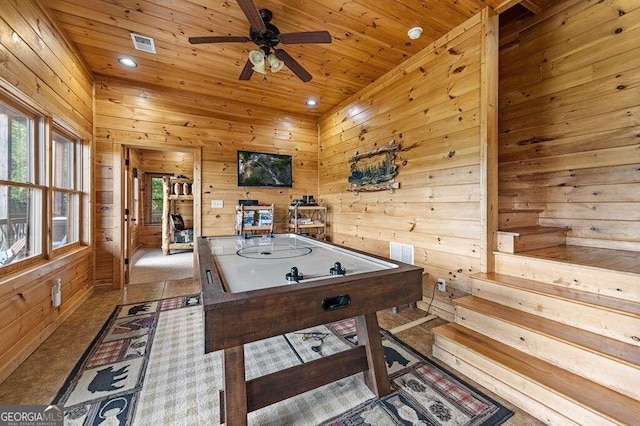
x,y
312,103
127,62
15,37
415,33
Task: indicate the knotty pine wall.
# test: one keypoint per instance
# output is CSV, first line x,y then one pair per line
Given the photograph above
x,y
149,118
431,105
171,163
569,126
41,69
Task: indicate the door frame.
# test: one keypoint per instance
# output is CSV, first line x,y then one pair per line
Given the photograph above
x,y
120,186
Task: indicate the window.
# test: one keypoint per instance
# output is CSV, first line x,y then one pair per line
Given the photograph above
x,y
66,190
21,196
42,196
154,198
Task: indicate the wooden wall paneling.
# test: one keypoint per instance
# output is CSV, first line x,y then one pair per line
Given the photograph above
x,y
569,139
130,93
25,304
416,81
68,61
73,100
573,178
620,156
431,106
41,69
150,119
433,110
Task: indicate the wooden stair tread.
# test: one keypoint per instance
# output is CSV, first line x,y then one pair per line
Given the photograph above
x,y
520,210
625,307
589,394
612,348
531,230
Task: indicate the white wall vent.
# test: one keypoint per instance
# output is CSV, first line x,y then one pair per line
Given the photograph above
x,y
401,252
143,43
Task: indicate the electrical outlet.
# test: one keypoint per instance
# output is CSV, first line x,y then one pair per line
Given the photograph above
x,y
442,284
217,204
56,293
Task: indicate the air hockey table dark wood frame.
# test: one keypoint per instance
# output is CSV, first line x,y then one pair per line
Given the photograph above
x,y
233,319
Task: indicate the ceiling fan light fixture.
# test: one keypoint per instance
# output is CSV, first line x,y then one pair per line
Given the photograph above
x,y
274,63
257,57
260,68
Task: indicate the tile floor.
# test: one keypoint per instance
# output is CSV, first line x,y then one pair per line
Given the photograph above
x,y
40,377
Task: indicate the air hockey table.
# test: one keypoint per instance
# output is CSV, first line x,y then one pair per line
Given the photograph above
x,y
256,288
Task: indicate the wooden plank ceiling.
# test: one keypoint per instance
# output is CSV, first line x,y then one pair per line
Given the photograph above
x,y
369,38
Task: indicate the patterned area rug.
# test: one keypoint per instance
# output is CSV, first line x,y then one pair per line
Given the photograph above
x,y
147,366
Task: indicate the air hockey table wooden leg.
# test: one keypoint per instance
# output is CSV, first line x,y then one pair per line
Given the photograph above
x,y
376,377
235,387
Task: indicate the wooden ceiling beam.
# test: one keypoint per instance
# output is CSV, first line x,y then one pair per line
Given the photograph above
x,y
507,4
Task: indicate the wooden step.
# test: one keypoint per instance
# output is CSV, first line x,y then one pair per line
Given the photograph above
x,y
531,383
513,218
607,361
607,316
515,240
618,284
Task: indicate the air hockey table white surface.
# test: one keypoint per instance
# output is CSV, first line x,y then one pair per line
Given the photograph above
x,y
263,262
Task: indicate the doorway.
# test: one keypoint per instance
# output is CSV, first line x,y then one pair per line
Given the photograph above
x,y
141,204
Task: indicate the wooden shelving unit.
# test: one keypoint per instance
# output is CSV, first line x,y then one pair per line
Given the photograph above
x,y
174,189
252,219
311,220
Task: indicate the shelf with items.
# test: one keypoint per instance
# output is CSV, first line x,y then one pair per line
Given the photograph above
x,y
251,219
311,220
175,236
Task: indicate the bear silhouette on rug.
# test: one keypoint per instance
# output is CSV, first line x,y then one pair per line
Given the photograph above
x,y
107,378
391,355
135,310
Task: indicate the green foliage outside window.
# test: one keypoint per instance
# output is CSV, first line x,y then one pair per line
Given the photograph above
x,y
156,200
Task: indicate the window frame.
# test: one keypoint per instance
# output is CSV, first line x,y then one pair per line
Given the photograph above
x,y
76,183
148,198
35,181
41,179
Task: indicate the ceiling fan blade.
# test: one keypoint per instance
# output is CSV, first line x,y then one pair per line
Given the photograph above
x,y
219,39
305,37
252,13
247,71
293,65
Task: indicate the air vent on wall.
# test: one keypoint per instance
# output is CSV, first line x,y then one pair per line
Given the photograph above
x,y
401,252
143,43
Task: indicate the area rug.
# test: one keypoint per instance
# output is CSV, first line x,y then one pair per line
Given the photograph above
x,y
148,366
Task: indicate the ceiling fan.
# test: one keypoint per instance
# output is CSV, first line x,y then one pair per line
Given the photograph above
x,y
267,36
